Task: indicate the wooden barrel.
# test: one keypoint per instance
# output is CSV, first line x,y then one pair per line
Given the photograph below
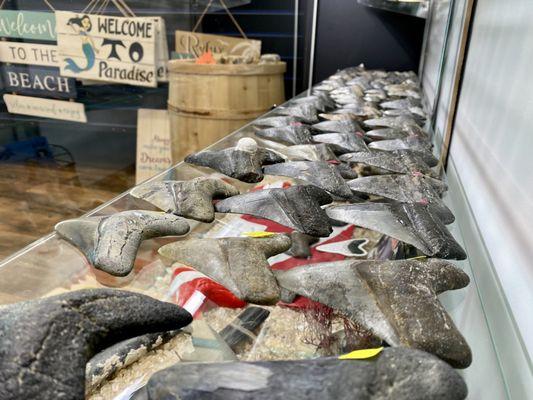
x,y
207,102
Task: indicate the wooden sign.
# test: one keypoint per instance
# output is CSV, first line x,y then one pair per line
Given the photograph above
x,y
29,53
153,143
47,108
107,48
161,51
27,25
39,81
200,43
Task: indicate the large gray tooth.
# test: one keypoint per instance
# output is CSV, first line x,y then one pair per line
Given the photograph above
x,y
111,360
307,112
416,113
242,162
404,189
297,207
310,152
277,122
414,143
400,104
190,199
411,223
319,173
397,161
45,344
342,143
320,102
387,134
301,245
395,300
399,122
242,328
338,126
110,243
395,374
292,134
238,263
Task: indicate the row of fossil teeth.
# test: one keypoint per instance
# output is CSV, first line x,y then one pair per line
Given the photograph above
x,y
395,300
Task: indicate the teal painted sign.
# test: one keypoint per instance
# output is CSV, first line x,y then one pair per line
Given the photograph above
x,y
28,25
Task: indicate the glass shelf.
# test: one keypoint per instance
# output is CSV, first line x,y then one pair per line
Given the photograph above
x,y
51,265
414,8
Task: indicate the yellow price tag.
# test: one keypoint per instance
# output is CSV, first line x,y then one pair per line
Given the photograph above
x,y
361,354
259,234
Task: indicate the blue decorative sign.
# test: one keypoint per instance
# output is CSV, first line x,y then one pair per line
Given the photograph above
x,y
39,81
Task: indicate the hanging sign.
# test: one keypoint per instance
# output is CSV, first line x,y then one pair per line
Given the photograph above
x,y
161,50
107,48
197,44
47,108
29,53
153,143
39,81
27,25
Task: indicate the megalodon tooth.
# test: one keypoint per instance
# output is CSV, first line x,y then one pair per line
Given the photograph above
x,y
291,134
416,113
297,207
320,102
277,121
343,143
319,173
417,143
414,224
45,344
309,152
348,248
306,112
242,162
122,354
399,122
401,104
389,134
395,300
396,161
189,199
395,374
238,263
110,243
301,245
338,126
404,189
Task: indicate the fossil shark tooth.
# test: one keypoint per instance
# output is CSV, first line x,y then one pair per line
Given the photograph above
x,y
399,122
238,263
417,143
301,245
404,189
306,112
395,374
297,207
45,344
292,134
277,122
319,173
242,328
416,113
122,354
342,143
310,152
395,300
397,161
338,126
110,243
388,134
190,199
401,104
414,224
242,162
320,102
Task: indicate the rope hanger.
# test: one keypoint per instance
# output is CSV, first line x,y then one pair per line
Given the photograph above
x,y
98,7
227,12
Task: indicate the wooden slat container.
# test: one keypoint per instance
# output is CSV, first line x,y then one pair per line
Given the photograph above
x,y
207,102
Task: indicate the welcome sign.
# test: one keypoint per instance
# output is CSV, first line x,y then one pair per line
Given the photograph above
x,y
27,25
39,81
107,48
